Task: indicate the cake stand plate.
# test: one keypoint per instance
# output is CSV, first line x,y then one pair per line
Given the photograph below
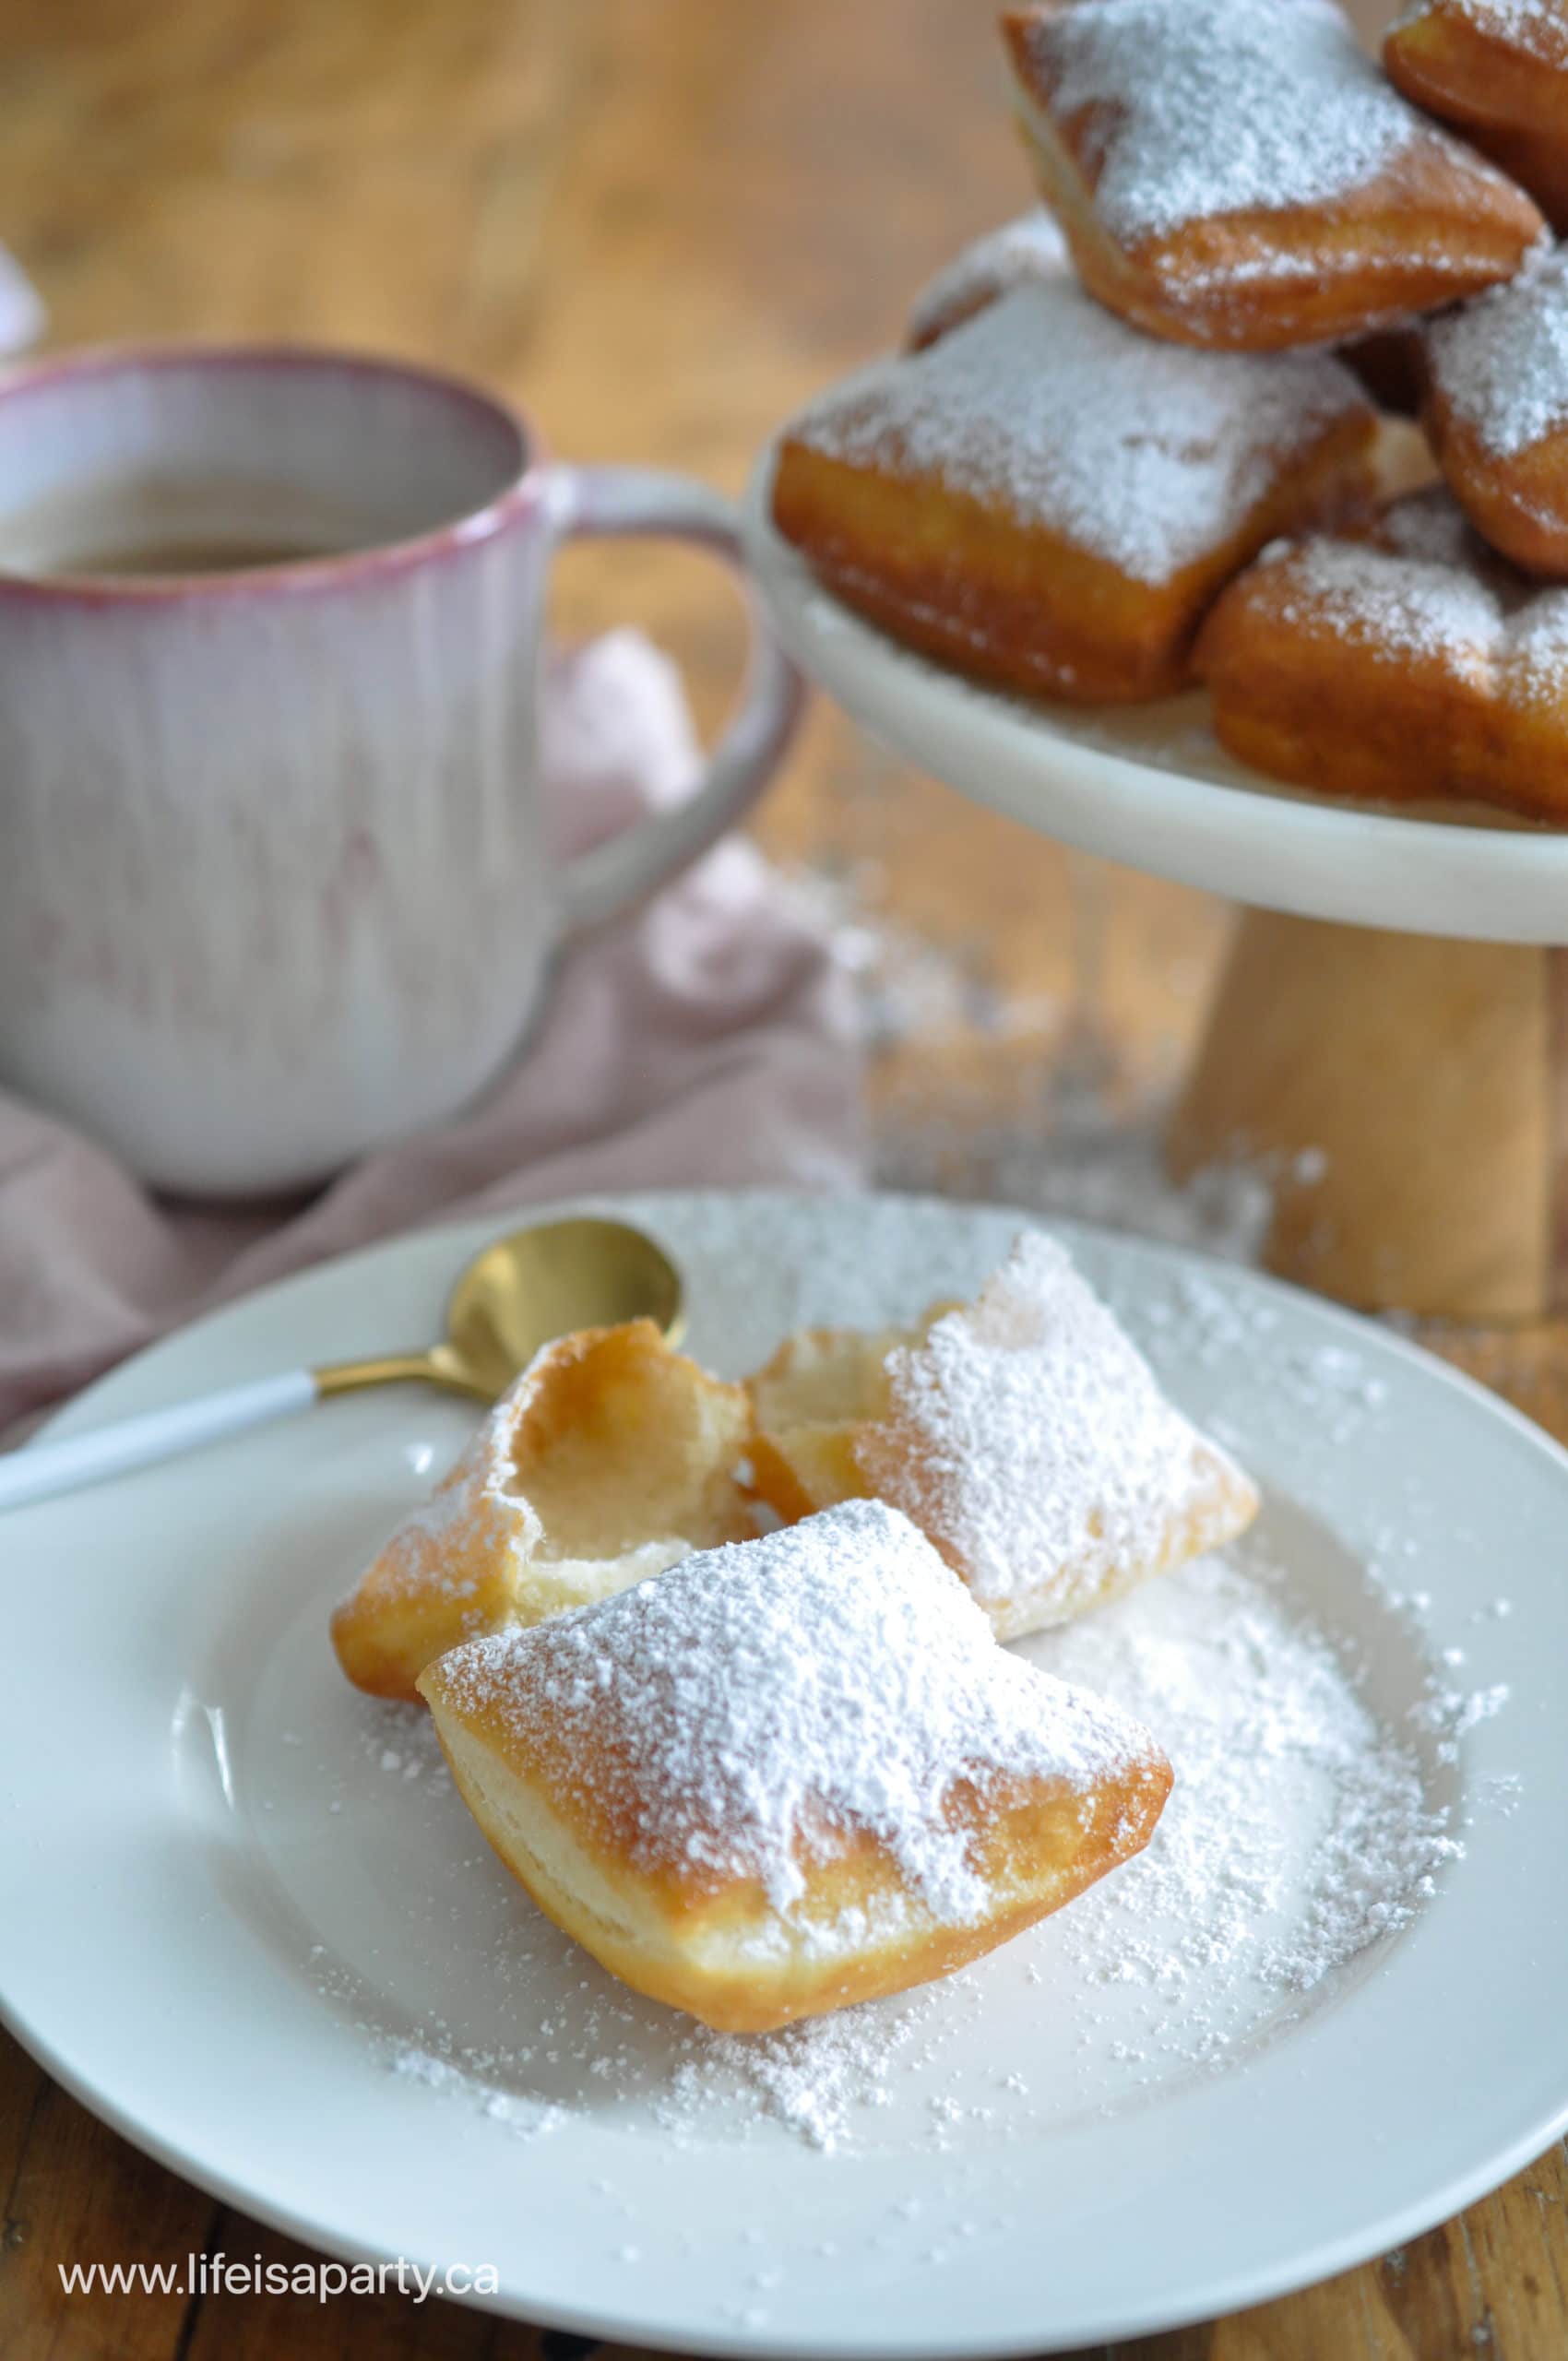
x,y
1391,1031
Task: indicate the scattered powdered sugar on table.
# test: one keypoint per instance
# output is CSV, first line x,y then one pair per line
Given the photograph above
x,y
1147,455
1028,248
1209,107
1502,361
765,1699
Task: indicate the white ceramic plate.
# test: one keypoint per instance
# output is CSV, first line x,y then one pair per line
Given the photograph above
x,y
1150,785
243,1917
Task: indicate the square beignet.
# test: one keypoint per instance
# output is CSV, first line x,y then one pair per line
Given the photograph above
x,y
1236,174
1412,666
791,1774
1049,500
1025,1435
611,1458
1501,73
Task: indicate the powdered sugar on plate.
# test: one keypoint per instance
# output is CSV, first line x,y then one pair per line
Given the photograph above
x,y
1320,1698
1046,406
1031,247
1502,361
1209,107
1299,1829
1299,1833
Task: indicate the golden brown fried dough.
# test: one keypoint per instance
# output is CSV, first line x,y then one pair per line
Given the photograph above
x,y
1501,73
1024,1434
1497,412
1235,173
1413,665
791,1774
1049,500
609,1459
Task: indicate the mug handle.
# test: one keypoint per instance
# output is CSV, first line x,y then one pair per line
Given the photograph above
x,y
611,878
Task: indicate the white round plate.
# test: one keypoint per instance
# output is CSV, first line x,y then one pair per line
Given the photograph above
x,y
1151,785
243,1916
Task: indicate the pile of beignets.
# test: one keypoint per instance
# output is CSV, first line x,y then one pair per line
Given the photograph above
x,y
719,1669
1137,438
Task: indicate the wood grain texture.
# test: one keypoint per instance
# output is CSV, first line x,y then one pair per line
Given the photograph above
x,y
660,223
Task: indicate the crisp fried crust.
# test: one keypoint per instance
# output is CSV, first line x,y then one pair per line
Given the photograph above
x,y
1518,499
611,1458
1503,80
1339,668
603,1761
696,1948
1432,225
1015,603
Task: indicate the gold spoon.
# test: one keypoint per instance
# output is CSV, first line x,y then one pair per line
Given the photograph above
x,y
520,1293
525,1290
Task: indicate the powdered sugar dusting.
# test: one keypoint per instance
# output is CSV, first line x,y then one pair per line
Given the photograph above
x,y
1210,107
1031,247
1427,590
1502,361
765,1700
1145,454
1297,1830
1047,1456
1535,26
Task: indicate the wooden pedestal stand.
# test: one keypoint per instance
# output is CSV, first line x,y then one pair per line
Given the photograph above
x,y
1411,1095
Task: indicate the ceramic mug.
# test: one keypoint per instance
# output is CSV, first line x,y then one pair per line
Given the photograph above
x,y
276,885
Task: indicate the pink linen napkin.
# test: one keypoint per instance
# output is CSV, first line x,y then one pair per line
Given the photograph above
x,y
709,1040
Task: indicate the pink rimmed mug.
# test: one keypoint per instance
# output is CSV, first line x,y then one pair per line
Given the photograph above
x,y
276,882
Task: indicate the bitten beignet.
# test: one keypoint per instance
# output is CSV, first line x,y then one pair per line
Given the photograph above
x,y
1499,69
1497,412
791,1774
1236,174
1020,253
609,1459
1047,499
1025,1435
1412,666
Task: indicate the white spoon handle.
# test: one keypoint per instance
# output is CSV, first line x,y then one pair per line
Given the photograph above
x,y
39,1469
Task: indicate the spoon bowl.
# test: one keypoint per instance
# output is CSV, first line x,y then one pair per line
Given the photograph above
x,y
521,1294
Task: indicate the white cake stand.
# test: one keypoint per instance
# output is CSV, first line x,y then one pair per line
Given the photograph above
x,y
1391,1031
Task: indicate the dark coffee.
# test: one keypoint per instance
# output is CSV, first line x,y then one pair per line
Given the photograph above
x,y
207,554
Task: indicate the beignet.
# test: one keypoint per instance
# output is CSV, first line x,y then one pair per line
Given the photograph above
x,y
1236,174
1025,1435
611,1458
1499,69
1413,665
791,1774
1497,412
1047,499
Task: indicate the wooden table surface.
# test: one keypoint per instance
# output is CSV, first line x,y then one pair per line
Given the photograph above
x,y
659,222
